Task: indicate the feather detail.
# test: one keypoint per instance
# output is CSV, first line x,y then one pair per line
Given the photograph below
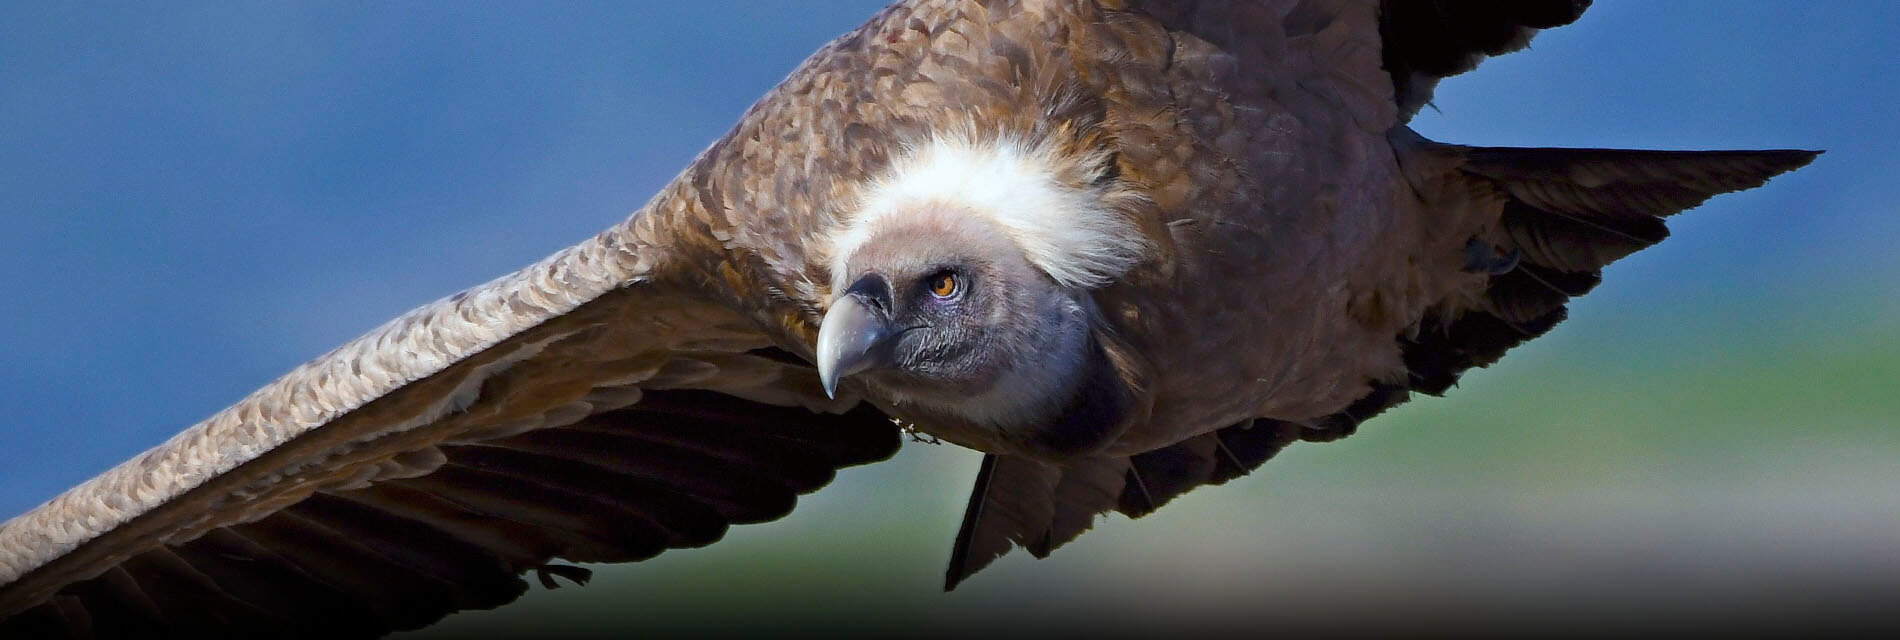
x,y
1052,203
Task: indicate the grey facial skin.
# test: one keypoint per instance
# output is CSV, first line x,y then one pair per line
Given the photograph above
x,y
972,353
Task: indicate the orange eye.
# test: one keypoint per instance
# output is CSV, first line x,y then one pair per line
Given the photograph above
x,y
944,285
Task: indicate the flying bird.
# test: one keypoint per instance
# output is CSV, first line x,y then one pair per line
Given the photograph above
x,y
1125,249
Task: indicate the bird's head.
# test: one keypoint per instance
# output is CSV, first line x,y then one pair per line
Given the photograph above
x,y
943,302
963,282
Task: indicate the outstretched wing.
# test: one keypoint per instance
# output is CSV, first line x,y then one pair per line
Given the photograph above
x,y
617,399
1556,218
582,409
622,397
1549,221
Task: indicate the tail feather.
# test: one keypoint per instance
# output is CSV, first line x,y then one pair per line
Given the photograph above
x,y
1035,505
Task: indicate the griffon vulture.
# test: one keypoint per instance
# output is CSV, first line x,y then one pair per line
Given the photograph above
x,y
1125,248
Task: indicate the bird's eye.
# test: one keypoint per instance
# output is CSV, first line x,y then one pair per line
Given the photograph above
x,y
944,284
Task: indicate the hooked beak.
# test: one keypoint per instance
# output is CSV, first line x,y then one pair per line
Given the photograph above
x,y
851,339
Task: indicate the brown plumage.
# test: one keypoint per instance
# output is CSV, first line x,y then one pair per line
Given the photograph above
x,y
649,387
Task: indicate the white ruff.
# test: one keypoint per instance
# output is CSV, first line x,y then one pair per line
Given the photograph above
x,y
1066,227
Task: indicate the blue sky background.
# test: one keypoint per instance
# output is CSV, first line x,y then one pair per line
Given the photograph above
x,y
196,197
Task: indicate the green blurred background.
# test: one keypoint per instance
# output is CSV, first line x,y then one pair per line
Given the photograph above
x,y
198,197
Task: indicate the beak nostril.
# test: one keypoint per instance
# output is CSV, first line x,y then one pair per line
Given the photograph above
x,y
873,290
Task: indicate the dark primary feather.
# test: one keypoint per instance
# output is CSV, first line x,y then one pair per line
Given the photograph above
x,y
673,471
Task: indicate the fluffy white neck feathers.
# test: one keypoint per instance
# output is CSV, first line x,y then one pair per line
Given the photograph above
x,y
1047,201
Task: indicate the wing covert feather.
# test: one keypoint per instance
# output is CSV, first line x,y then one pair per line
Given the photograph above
x,y
471,329
643,419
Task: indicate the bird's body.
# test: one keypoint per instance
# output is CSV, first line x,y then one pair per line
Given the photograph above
x,y
1253,236
1125,250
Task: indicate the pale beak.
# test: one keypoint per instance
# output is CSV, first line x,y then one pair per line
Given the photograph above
x,y
851,339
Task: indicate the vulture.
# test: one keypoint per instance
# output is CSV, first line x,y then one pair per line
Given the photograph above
x,y
1124,248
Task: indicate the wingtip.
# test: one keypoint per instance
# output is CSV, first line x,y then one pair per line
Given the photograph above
x,y
1792,159
1802,155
